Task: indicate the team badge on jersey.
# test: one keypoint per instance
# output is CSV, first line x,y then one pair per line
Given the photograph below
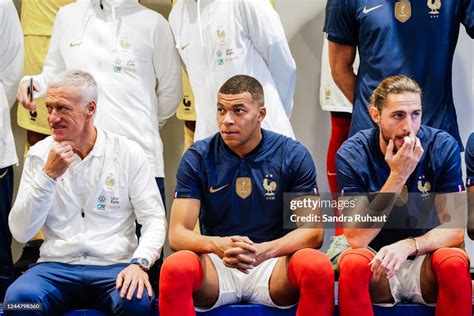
x,y
425,187
243,187
403,11
434,6
270,186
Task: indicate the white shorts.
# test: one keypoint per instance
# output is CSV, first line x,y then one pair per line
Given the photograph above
x,y
405,285
236,286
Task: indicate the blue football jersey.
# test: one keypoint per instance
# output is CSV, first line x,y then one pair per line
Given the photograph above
x,y
413,38
361,167
470,160
244,196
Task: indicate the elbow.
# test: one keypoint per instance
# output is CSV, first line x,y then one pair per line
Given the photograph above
x,y
173,241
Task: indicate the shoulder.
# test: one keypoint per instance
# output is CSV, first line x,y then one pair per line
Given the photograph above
x,y
72,9
359,143
436,140
123,147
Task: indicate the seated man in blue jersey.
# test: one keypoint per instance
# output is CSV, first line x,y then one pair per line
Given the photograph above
x,y
234,183
469,157
86,187
392,263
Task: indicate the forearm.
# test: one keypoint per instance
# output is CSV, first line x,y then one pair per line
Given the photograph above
x,y
290,243
152,238
31,207
345,79
185,239
440,237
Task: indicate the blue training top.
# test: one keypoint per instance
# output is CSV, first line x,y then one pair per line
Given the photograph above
x,y
416,39
361,167
244,196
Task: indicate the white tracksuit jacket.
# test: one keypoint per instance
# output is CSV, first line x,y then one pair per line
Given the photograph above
x,y
89,212
130,51
218,39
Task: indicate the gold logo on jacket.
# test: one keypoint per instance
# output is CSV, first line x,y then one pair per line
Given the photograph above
x,y
403,11
243,187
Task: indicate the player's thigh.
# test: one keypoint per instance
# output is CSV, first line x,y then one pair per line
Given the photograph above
x,y
208,293
282,292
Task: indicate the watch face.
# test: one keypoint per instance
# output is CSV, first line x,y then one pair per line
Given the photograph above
x,y
144,263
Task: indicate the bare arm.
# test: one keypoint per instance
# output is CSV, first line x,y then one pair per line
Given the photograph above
x,y
184,216
341,60
450,210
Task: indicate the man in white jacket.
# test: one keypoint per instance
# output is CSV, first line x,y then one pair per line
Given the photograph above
x,y
11,67
130,51
218,39
86,187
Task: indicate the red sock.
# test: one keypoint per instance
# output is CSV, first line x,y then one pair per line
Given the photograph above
x,y
181,275
354,280
340,126
311,272
451,267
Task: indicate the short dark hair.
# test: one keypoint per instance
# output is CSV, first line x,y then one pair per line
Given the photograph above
x,y
243,83
393,85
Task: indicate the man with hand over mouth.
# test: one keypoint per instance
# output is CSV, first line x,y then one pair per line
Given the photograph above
x,y
415,256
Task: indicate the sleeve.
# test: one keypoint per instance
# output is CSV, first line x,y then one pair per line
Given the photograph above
x,y
348,180
167,66
450,179
268,36
54,62
468,16
342,26
33,202
469,157
148,206
303,172
188,181
11,52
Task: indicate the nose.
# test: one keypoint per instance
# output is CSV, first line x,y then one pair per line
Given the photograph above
x,y
409,126
228,118
53,117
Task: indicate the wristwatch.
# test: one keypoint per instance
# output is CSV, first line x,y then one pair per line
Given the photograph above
x,y
143,263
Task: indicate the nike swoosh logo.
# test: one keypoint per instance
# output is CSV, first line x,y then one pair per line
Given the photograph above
x,y
365,11
332,174
4,174
212,190
184,46
74,44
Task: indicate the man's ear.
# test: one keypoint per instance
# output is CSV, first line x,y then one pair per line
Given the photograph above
x,y
262,112
91,108
375,114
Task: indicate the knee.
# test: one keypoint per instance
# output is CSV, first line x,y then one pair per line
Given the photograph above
x,y
23,292
310,266
450,264
355,261
181,267
135,306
